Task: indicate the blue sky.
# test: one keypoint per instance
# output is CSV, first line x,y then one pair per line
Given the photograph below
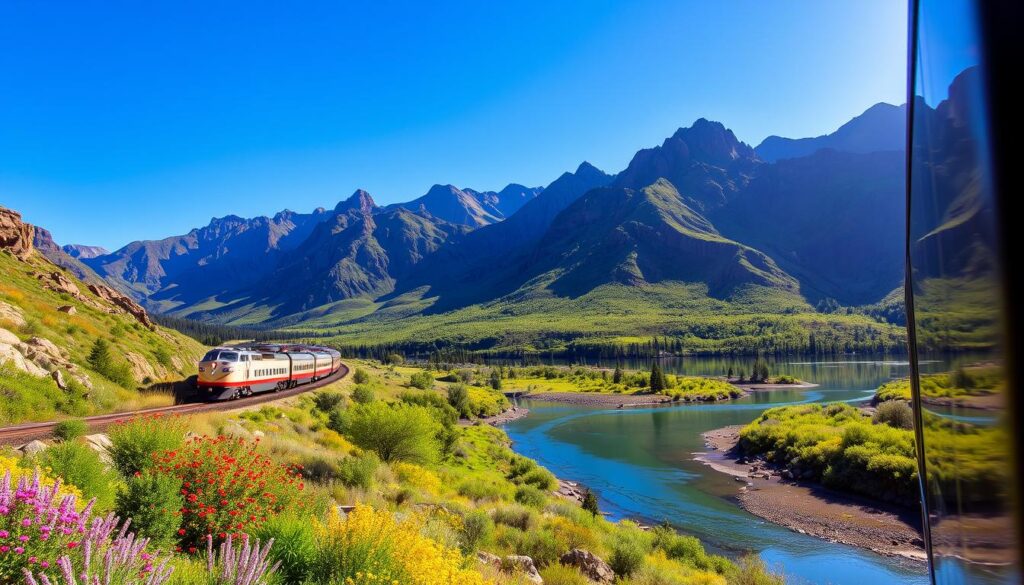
x,y
128,120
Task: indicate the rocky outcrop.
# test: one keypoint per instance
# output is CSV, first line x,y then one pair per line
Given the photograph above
x,y
141,369
11,315
15,235
589,564
40,357
58,282
122,302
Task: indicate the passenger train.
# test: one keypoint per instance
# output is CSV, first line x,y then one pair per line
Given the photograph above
x,y
226,373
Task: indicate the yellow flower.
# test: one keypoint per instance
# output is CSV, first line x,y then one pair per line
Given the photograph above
x,y
390,551
11,464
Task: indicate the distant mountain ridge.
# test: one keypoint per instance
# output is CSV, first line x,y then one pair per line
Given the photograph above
x,y
702,208
882,127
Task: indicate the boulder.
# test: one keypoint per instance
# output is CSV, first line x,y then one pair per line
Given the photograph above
x,y
589,564
141,369
523,565
11,354
44,353
58,378
9,338
122,302
15,235
69,309
59,282
11,315
101,444
489,559
33,447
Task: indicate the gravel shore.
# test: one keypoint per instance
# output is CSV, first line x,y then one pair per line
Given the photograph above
x,y
812,509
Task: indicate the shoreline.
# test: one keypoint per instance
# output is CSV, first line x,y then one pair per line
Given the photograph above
x,y
810,508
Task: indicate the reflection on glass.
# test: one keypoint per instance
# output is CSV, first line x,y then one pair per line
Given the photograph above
x,y
957,305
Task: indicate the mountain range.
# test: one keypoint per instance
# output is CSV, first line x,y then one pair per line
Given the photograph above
x,y
776,228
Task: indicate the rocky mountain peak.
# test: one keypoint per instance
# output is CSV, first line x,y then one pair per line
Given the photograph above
x,y
359,200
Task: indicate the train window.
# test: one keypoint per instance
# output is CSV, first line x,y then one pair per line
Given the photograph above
x,y
228,356
210,356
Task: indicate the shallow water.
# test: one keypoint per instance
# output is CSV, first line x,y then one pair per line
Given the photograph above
x,y
640,463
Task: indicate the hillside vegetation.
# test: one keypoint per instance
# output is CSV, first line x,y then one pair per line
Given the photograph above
x,y
352,488
107,359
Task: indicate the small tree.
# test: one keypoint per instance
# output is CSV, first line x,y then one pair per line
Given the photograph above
x,y
422,380
658,381
496,379
617,375
458,398
360,376
729,373
590,502
400,432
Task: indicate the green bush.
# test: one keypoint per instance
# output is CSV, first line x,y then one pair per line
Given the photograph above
x,y
360,376
399,432
629,547
458,398
152,502
751,570
328,401
67,430
359,471
295,545
135,441
516,516
895,413
540,545
362,394
530,496
443,412
102,361
422,380
80,466
477,528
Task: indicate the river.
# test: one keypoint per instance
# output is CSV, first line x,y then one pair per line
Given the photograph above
x,y
640,463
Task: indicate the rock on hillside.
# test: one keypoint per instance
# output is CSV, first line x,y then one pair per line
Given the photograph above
x,y
15,235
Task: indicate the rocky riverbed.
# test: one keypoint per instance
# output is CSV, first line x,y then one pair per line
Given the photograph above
x,y
811,509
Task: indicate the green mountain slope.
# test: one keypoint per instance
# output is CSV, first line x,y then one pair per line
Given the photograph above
x,y
50,322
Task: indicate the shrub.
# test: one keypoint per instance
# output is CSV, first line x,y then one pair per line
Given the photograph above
x,y
152,502
295,546
443,412
102,361
369,541
360,376
135,442
67,430
359,471
589,503
423,380
228,487
477,528
540,545
163,357
328,401
895,413
318,468
81,467
556,574
362,394
752,571
516,516
400,432
458,398
629,546
394,359
530,496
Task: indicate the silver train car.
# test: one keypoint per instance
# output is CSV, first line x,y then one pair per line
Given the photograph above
x,y
228,373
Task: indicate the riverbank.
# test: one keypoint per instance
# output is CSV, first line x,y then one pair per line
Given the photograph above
x,y
513,413
601,399
812,509
755,387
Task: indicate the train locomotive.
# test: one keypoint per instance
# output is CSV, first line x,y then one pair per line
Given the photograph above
x,y
231,372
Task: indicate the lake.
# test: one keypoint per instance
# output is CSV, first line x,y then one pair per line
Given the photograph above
x,y
640,463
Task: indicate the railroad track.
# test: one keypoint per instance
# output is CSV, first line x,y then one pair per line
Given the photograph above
x,y
23,433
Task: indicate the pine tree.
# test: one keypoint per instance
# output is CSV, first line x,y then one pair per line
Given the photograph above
x,y
658,382
728,374
495,379
590,503
617,376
